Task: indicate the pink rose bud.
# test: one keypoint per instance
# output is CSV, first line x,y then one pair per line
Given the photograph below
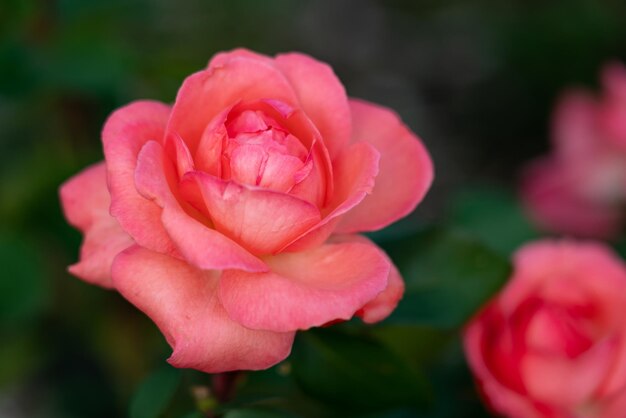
x,y
552,344
581,188
233,212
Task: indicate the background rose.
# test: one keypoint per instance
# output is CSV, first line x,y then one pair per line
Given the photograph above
x,y
581,188
553,343
226,208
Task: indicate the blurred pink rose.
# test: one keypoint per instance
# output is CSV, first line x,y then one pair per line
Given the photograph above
x,y
230,211
553,343
581,188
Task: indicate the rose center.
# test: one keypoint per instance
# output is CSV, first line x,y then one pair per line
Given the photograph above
x,y
258,151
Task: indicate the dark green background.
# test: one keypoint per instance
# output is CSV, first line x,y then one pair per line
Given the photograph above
x,y
476,80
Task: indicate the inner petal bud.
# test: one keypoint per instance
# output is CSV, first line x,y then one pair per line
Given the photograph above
x,y
259,152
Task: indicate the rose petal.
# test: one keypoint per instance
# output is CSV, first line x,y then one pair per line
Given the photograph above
x,y
552,202
547,376
85,200
354,172
205,94
613,106
613,79
574,132
613,407
247,163
282,171
222,58
384,304
322,97
319,91
502,399
124,133
316,183
318,186
405,169
176,148
198,243
208,155
615,380
306,289
183,303
260,220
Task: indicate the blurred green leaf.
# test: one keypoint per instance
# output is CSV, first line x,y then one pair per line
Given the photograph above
x,y
455,392
194,414
448,276
270,382
155,393
19,356
418,345
274,389
258,413
355,372
494,216
22,288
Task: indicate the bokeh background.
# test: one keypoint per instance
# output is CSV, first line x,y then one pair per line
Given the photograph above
x,y
475,79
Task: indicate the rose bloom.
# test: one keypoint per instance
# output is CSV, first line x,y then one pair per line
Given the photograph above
x,y
581,188
229,217
552,344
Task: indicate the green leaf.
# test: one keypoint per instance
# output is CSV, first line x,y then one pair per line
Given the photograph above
x,y
492,216
448,276
355,372
155,393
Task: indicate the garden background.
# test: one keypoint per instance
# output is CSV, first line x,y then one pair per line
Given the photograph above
x,y
477,80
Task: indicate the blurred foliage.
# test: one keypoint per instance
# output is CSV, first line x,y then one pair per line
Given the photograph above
x,y
476,79
493,216
155,393
447,277
339,369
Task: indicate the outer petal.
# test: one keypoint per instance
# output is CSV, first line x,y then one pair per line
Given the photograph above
x,y
574,126
322,97
616,380
205,94
199,243
355,170
124,133
613,79
85,200
613,107
502,399
384,304
306,289
406,169
222,58
319,91
183,302
552,202
613,407
261,220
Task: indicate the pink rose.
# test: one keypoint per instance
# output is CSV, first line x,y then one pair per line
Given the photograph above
x,y
581,188
552,344
231,211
